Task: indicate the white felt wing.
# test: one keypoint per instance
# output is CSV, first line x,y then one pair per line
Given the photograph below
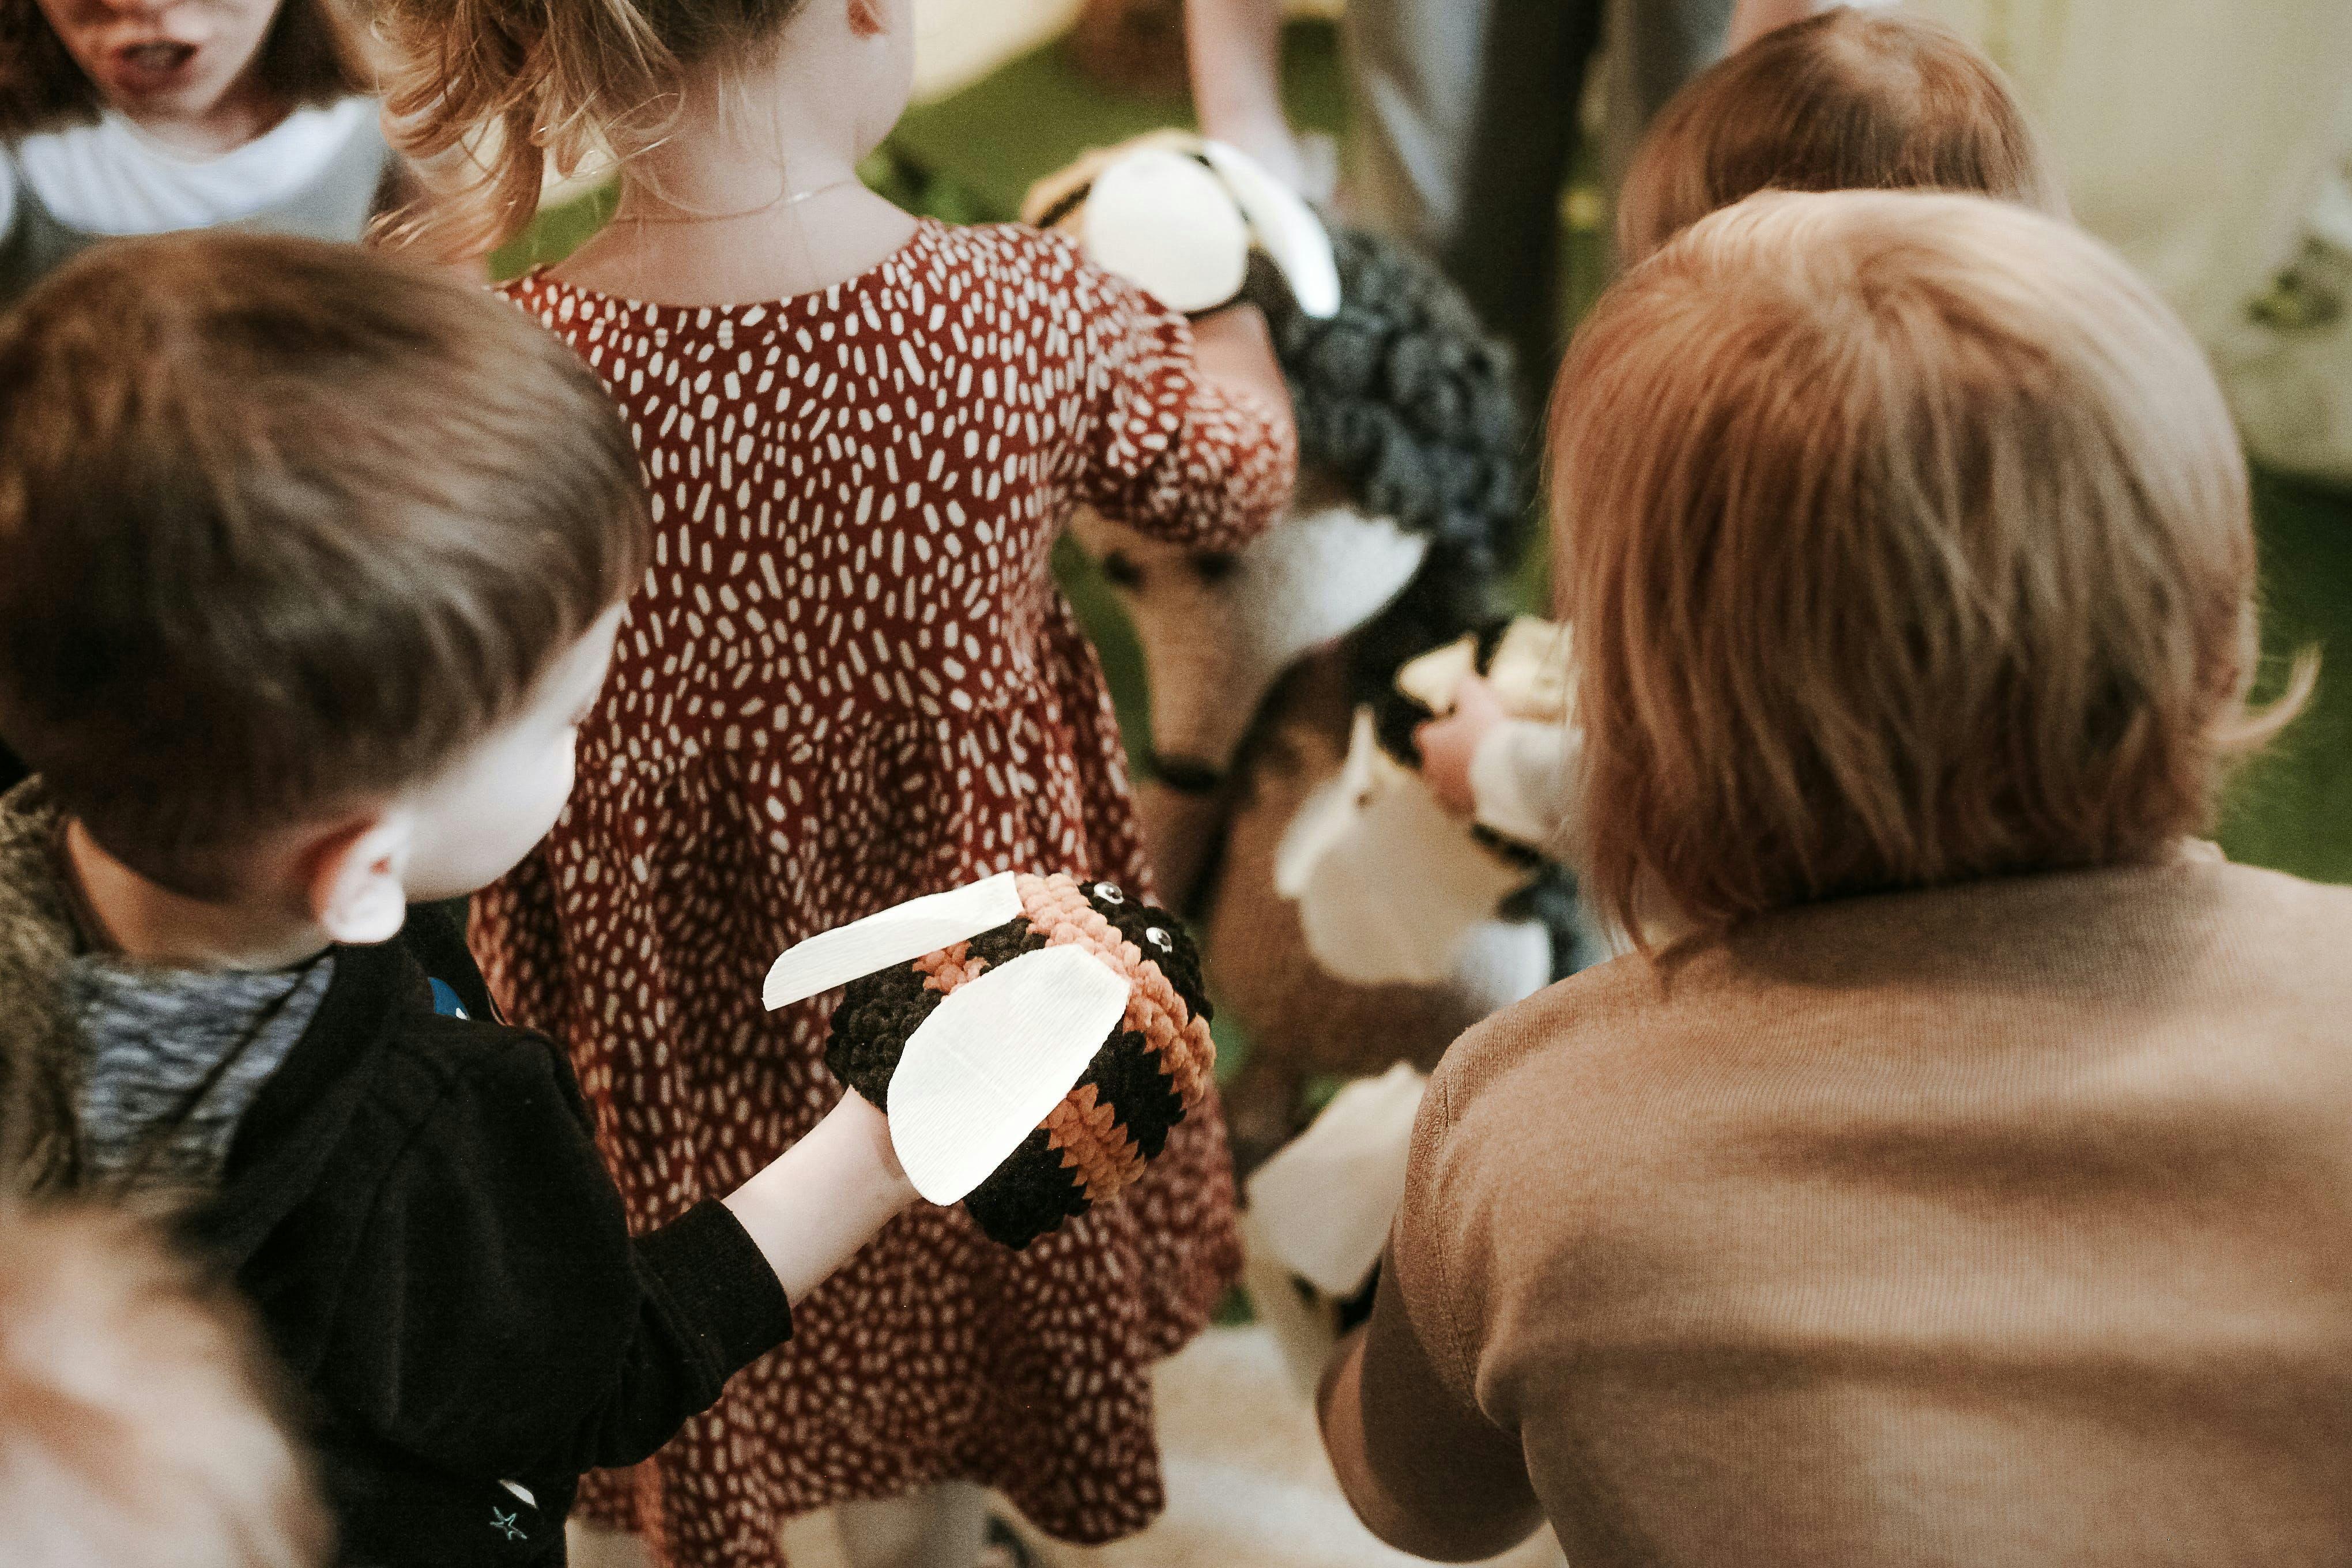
x,y
981,1073
1286,229
1161,220
899,935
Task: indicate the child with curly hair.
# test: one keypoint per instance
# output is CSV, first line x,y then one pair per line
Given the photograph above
x,y
847,681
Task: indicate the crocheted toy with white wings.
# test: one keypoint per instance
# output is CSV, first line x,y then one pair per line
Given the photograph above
x,y
1032,1039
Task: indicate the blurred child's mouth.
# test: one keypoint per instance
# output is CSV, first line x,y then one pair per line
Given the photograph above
x,y
151,66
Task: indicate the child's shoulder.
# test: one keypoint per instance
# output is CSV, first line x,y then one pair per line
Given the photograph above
x,y
411,1028
1018,252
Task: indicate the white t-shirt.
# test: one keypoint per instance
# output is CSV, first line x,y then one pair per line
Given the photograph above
x,y
111,178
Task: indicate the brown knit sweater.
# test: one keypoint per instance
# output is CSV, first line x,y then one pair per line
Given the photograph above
x,y
2002,1225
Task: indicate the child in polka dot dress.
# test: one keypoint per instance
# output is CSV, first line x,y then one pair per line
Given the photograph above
x,y
847,680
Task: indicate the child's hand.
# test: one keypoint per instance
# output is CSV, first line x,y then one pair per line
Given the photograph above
x,y
825,1196
1447,744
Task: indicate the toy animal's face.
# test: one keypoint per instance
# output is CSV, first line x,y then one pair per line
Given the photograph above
x,y
1218,630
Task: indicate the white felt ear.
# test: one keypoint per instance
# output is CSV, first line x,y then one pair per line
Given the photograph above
x,y
981,1073
1288,230
1531,672
899,935
1433,678
1164,221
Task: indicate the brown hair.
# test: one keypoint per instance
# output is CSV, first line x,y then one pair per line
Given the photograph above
x,y
515,86
137,1420
284,526
313,53
1845,100
1911,543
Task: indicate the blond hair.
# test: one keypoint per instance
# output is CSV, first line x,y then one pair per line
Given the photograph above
x,y
1845,100
136,1428
1911,543
508,89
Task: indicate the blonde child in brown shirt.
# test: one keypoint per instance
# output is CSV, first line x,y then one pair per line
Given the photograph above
x,y
1967,1181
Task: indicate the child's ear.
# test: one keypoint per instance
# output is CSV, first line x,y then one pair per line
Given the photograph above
x,y
358,882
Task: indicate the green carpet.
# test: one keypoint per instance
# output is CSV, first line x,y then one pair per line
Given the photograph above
x,y
971,157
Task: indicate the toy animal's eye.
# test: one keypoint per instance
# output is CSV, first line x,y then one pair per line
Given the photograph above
x,y
1215,565
1157,938
1109,894
1121,569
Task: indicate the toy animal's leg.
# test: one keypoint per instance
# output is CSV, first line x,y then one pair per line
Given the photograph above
x,y
1262,1106
944,1526
1181,832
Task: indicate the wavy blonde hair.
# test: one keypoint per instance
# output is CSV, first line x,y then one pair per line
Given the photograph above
x,y
1906,540
138,1421
1845,100
489,94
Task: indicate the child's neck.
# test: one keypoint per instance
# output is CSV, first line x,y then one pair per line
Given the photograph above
x,y
245,112
745,200
148,922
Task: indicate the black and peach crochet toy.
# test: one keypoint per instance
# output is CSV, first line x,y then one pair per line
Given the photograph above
x,y
1032,1039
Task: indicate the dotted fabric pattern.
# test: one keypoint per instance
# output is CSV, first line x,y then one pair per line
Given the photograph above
x,y
846,682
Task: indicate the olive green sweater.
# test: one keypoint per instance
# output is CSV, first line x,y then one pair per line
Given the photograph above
x,y
2001,1227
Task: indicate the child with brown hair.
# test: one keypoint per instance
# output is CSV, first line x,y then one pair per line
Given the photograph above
x,y
1962,1175
138,1419
848,680
122,119
1849,99
311,565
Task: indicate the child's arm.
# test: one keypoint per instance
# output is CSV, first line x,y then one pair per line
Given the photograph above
x,y
1448,744
1234,352
1190,435
824,1197
1236,51
488,1311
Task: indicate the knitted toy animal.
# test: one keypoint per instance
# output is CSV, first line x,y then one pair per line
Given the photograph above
x,y
1388,883
1033,1040
1411,513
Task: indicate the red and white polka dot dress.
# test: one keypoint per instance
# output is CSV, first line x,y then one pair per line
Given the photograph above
x,y
849,679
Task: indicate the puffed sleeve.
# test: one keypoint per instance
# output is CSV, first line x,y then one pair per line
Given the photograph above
x,y
1168,453
1422,1466
498,1320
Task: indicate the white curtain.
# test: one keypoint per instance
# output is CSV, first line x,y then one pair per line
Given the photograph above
x,y
2207,139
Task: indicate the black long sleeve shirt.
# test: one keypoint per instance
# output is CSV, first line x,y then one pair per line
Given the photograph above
x,y
415,1204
